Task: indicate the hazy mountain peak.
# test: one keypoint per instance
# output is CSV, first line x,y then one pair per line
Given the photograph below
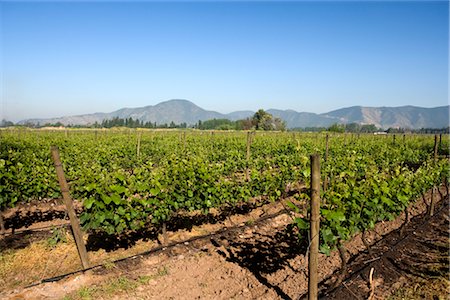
x,y
184,111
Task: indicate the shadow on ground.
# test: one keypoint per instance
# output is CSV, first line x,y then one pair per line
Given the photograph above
x,y
263,254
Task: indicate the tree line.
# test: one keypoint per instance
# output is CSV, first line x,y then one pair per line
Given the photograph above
x,y
261,120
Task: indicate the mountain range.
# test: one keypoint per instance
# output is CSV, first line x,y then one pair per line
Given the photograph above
x,y
184,111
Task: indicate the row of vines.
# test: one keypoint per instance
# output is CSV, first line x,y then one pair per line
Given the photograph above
x,y
129,179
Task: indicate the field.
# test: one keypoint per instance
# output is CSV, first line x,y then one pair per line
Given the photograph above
x,y
233,201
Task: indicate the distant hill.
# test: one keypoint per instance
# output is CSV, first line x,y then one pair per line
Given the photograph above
x,y
184,111
295,119
403,116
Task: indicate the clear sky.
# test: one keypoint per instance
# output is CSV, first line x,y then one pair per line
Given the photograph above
x,y
67,58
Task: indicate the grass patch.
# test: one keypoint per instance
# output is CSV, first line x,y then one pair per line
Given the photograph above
x,y
59,235
144,279
163,271
39,260
119,285
250,222
436,289
52,256
109,264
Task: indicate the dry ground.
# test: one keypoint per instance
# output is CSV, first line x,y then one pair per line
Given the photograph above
x,y
239,257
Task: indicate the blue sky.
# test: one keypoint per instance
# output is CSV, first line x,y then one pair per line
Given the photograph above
x,y
67,58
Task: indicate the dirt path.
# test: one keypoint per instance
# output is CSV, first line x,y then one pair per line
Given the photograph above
x,y
399,261
260,260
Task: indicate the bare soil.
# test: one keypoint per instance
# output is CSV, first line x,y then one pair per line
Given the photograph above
x,y
416,256
255,255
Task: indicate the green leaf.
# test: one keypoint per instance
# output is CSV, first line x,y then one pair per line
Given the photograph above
x,y
88,202
116,199
387,201
154,191
403,198
292,206
301,223
334,215
120,177
117,188
106,199
100,217
328,235
121,210
325,249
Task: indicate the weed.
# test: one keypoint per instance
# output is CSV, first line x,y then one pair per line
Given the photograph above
x,y
144,279
59,235
109,265
115,286
250,222
86,293
162,271
423,289
120,284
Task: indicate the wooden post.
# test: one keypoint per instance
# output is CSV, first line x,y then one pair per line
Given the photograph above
x,y
314,228
433,195
164,234
440,141
2,225
435,150
138,150
249,142
325,182
393,139
76,229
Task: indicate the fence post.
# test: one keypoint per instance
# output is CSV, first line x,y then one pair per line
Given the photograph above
x,y
2,225
435,149
314,228
325,182
138,147
249,143
432,203
433,192
76,229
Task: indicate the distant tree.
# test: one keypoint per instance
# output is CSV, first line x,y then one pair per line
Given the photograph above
x,y
245,124
395,130
353,127
369,128
6,123
336,128
217,124
263,120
